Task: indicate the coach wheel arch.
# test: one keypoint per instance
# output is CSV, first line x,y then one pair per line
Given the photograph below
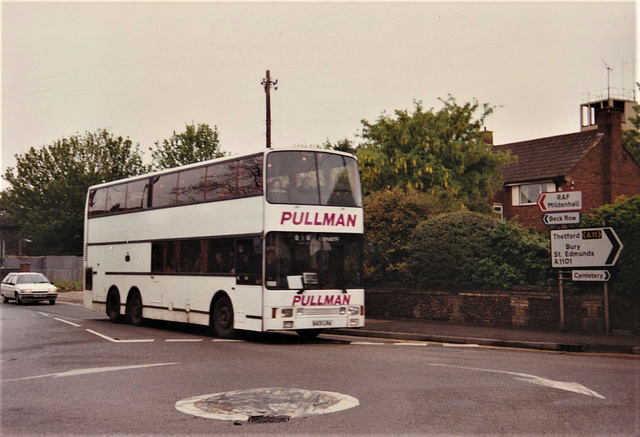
x,y
113,304
221,316
134,307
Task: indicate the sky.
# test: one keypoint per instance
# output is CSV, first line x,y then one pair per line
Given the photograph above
x,y
145,70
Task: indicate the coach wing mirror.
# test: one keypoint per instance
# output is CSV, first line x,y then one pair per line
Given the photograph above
x,y
300,282
295,283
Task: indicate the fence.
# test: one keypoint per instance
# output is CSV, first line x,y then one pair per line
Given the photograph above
x,y
55,268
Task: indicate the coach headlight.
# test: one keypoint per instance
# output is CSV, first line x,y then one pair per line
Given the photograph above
x,y
286,312
354,310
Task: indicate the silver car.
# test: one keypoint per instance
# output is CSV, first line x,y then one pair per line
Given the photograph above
x,y
28,287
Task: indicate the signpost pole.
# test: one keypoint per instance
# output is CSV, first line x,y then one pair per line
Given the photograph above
x,y
561,293
606,308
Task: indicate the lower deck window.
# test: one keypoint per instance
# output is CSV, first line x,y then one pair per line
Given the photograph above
x,y
240,256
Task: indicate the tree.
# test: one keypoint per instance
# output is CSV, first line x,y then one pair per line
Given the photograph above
x,y
432,151
195,144
624,217
390,218
631,138
48,186
345,145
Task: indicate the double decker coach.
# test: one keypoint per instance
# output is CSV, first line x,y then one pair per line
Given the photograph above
x,y
262,242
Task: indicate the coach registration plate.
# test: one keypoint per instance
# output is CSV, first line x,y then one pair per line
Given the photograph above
x,y
322,322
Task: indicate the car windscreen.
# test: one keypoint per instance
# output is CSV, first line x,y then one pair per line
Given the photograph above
x,y
34,278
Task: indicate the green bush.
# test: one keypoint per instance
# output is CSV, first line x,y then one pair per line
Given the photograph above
x,y
390,218
468,249
624,217
69,285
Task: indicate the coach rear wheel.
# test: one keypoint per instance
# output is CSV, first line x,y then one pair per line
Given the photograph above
x,y
113,306
223,318
134,309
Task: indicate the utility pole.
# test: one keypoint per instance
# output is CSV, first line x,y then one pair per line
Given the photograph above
x,y
267,89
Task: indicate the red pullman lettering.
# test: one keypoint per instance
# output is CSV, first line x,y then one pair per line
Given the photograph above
x,y
286,216
297,221
296,299
306,219
329,219
351,220
340,221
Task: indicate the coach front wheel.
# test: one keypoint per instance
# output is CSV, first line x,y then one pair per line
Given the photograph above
x,y
223,318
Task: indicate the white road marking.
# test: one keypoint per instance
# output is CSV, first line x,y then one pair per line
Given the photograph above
x,y
43,314
106,337
183,340
222,340
411,344
366,343
78,372
66,321
459,345
568,386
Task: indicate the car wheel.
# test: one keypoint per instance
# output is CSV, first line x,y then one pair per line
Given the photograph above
x,y
18,300
223,318
52,302
5,299
134,309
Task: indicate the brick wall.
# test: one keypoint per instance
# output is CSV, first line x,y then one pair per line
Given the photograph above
x,y
525,309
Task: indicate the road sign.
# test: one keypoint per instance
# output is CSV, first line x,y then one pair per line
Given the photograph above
x,y
560,201
593,247
562,218
590,275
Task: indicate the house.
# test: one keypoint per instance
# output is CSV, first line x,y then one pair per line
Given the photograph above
x,y
592,161
9,237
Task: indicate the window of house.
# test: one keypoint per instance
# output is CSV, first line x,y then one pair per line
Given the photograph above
x,y
527,194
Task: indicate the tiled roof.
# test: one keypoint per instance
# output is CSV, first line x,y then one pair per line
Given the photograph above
x,y
547,158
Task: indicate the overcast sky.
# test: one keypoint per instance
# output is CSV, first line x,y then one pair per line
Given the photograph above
x,y
145,70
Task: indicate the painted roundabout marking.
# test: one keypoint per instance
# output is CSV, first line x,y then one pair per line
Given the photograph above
x,y
266,404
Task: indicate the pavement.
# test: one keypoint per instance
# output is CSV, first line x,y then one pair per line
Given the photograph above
x,y
619,342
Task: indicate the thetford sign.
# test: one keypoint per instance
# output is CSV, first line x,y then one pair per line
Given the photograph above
x,y
594,247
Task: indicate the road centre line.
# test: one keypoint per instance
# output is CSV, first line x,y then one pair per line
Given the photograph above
x,y
183,340
90,371
67,322
106,337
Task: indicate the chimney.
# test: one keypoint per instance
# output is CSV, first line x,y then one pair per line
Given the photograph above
x,y
609,121
487,137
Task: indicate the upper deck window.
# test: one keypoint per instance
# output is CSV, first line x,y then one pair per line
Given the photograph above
x,y
229,179
313,178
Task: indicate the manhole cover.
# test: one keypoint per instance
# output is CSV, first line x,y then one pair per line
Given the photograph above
x,y
266,404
